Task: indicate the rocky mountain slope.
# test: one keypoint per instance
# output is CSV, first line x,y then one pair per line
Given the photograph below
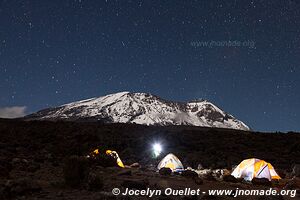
x,y
142,108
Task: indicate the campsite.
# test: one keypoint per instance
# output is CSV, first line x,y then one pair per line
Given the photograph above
x,y
133,99
54,160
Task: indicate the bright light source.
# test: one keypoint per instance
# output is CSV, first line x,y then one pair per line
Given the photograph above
x,y
157,149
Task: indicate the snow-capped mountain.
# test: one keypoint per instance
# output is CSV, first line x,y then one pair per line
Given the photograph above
x,y
142,108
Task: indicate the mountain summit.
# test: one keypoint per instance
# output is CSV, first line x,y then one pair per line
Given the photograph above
x,y
142,108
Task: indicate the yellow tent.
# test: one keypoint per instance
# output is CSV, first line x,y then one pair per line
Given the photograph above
x,y
111,153
115,155
255,168
172,162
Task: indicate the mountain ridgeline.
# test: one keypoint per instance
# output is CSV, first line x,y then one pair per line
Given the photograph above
x,y
141,108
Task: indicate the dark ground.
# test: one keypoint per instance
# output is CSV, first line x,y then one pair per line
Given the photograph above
x,y
35,155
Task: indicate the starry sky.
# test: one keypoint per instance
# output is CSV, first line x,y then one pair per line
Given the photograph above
x,y
243,56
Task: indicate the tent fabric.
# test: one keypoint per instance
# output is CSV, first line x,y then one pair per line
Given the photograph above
x,y
96,152
115,155
170,161
255,168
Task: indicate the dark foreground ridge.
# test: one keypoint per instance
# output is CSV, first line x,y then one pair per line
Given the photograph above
x,y
36,151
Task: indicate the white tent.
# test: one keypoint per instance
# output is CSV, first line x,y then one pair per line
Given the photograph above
x,y
172,162
255,168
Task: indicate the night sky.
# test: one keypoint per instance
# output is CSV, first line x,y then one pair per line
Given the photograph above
x,y
244,56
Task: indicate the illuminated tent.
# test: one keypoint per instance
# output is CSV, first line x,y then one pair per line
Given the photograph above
x,y
255,168
115,155
111,153
170,161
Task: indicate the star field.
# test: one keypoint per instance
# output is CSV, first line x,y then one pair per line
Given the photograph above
x,y
55,52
